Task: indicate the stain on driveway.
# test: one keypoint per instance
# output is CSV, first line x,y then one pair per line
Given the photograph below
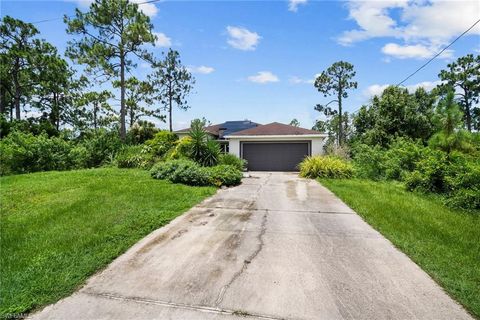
x,y
275,247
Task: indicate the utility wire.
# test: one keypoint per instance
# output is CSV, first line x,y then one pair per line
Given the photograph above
x,y
71,16
439,53
433,58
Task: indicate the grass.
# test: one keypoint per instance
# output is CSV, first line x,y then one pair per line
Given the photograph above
x,y
442,241
58,228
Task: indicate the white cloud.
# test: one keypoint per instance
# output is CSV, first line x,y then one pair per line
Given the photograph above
x,y
377,89
243,39
298,80
162,40
418,51
431,24
293,4
150,9
263,77
201,69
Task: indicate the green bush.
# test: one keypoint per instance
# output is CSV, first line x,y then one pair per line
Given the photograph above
x,y
191,173
325,167
140,132
181,149
102,146
225,175
464,199
24,152
134,157
369,162
162,143
232,160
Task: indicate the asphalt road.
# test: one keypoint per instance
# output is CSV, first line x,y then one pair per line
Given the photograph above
x,y
275,247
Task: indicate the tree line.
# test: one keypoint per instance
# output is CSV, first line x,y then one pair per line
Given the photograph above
x,y
108,41
398,112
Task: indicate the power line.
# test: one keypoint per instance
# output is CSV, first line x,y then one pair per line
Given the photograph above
x,y
71,16
439,53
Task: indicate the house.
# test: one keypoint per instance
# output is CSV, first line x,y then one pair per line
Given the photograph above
x,y
270,147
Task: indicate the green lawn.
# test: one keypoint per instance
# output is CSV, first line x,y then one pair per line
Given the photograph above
x,y
57,228
444,242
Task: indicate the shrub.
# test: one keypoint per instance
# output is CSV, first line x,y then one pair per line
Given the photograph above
x,y
211,154
134,157
464,198
402,157
232,160
325,167
24,152
191,173
369,162
225,175
182,149
140,132
181,171
162,143
102,146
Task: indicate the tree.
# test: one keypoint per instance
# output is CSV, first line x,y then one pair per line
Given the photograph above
x,y
54,93
171,82
396,113
18,52
94,111
295,123
138,92
112,32
449,118
464,75
336,80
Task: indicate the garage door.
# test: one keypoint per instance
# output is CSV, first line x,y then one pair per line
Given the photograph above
x,y
270,156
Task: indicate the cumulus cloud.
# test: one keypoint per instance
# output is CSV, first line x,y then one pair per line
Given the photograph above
x,y
293,4
299,80
423,26
377,89
417,51
201,69
162,40
263,77
242,38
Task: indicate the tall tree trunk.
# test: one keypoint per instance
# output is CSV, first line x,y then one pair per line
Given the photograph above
x,y
95,110
123,131
170,108
468,115
16,99
132,117
340,124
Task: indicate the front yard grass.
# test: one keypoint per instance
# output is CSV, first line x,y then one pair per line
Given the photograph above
x,y
442,241
58,228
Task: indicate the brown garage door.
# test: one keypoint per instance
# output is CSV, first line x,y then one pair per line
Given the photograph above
x,y
274,156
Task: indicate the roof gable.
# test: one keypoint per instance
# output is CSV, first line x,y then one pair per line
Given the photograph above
x,y
275,128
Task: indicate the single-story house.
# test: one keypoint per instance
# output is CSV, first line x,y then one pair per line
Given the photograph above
x,y
269,147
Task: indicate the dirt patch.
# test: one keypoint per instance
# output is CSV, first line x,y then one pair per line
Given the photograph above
x,y
179,234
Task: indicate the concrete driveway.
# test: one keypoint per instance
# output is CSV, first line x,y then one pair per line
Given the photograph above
x,y
275,247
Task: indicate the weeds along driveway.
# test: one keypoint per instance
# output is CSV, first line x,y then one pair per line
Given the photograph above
x,y
275,247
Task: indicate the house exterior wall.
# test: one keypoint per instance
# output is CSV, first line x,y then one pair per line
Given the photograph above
x,y
316,142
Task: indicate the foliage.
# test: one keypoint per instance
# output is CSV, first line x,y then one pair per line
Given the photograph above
x,y
162,143
336,80
451,136
325,167
59,228
369,162
295,123
101,146
464,75
232,160
330,126
203,150
182,148
442,241
396,113
191,173
94,111
111,31
141,131
24,152
171,83
134,157
224,175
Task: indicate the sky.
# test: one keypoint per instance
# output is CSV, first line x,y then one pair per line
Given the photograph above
x,y
257,60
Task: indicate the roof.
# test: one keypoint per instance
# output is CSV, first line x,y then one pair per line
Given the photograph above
x,y
228,127
275,129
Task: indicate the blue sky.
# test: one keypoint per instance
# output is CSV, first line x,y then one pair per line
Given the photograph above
x,y
256,59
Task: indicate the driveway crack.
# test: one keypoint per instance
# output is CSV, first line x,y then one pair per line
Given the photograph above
x,y
252,256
